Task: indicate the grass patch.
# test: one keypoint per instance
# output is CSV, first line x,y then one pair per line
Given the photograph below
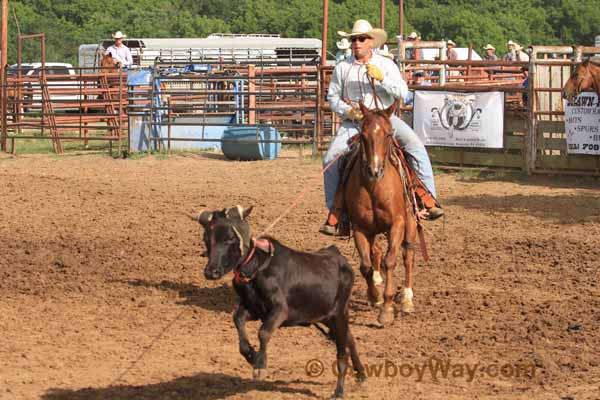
x,y
44,146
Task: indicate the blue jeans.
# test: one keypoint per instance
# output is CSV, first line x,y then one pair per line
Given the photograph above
x,y
405,136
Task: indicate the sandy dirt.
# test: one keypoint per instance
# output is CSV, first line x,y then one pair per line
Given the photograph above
x,y
103,297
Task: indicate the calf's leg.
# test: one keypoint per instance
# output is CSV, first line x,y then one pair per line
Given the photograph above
x,y
273,321
341,343
240,316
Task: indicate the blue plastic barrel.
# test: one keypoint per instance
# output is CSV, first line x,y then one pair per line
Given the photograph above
x,y
247,151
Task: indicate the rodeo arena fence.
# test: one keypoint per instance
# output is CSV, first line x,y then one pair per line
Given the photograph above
x,y
250,102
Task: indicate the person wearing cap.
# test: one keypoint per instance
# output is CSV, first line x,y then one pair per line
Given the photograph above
x,y
344,50
412,53
451,54
511,55
119,52
350,85
419,80
490,53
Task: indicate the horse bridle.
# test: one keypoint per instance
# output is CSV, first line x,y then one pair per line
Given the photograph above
x,y
389,137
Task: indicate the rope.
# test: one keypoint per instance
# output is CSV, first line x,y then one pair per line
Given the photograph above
x,y
302,194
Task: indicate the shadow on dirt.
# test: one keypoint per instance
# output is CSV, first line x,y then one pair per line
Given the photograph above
x,y
520,178
562,209
202,386
221,298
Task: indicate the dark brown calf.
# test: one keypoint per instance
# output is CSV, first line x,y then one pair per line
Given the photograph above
x,y
281,287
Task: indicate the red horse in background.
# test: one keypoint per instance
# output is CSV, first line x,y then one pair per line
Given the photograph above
x,y
585,76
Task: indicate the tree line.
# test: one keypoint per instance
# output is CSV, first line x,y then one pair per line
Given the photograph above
x,y
69,23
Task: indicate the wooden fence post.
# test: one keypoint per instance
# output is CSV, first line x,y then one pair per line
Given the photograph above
x,y
531,144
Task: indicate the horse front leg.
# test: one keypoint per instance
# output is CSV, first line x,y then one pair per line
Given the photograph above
x,y
395,239
363,245
410,245
376,260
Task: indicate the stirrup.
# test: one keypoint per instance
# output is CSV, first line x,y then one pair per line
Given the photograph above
x,y
434,213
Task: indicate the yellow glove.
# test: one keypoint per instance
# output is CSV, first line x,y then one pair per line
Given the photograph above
x,y
355,114
374,72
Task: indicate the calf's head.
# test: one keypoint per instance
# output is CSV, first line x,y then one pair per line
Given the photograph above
x,y
227,239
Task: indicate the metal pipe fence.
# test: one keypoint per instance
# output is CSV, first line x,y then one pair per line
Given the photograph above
x,y
60,106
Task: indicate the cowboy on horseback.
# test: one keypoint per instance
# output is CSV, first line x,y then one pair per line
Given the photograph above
x,y
119,52
350,85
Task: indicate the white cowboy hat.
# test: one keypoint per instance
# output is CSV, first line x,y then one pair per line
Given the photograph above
x,y
119,35
413,35
489,47
450,43
511,43
343,44
363,27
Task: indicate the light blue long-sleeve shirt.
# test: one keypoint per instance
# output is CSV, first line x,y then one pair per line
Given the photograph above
x,y
121,54
350,82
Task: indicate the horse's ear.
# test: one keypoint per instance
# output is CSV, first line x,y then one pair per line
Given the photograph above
x,y
390,110
363,108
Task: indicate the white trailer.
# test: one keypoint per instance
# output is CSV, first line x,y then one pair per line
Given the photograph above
x,y
243,49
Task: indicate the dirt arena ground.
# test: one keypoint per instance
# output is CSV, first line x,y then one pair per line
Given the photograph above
x,y
103,297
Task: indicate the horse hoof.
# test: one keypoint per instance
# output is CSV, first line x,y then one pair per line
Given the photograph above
x,y
337,396
386,316
259,374
377,279
375,298
407,304
377,303
407,307
361,377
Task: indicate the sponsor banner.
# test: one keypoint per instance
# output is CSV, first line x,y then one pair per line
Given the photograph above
x,y
582,124
460,119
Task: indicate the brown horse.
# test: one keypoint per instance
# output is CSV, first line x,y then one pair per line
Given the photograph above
x,y
376,203
107,61
586,76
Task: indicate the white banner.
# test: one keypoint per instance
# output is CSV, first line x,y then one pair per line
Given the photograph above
x,y
582,124
459,119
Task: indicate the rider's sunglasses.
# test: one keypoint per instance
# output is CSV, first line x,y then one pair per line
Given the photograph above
x,y
359,38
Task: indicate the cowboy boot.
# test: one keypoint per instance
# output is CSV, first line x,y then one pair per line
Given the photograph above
x,y
433,207
335,217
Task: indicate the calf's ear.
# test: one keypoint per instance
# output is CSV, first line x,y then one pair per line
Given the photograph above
x,y
205,217
239,212
247,212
